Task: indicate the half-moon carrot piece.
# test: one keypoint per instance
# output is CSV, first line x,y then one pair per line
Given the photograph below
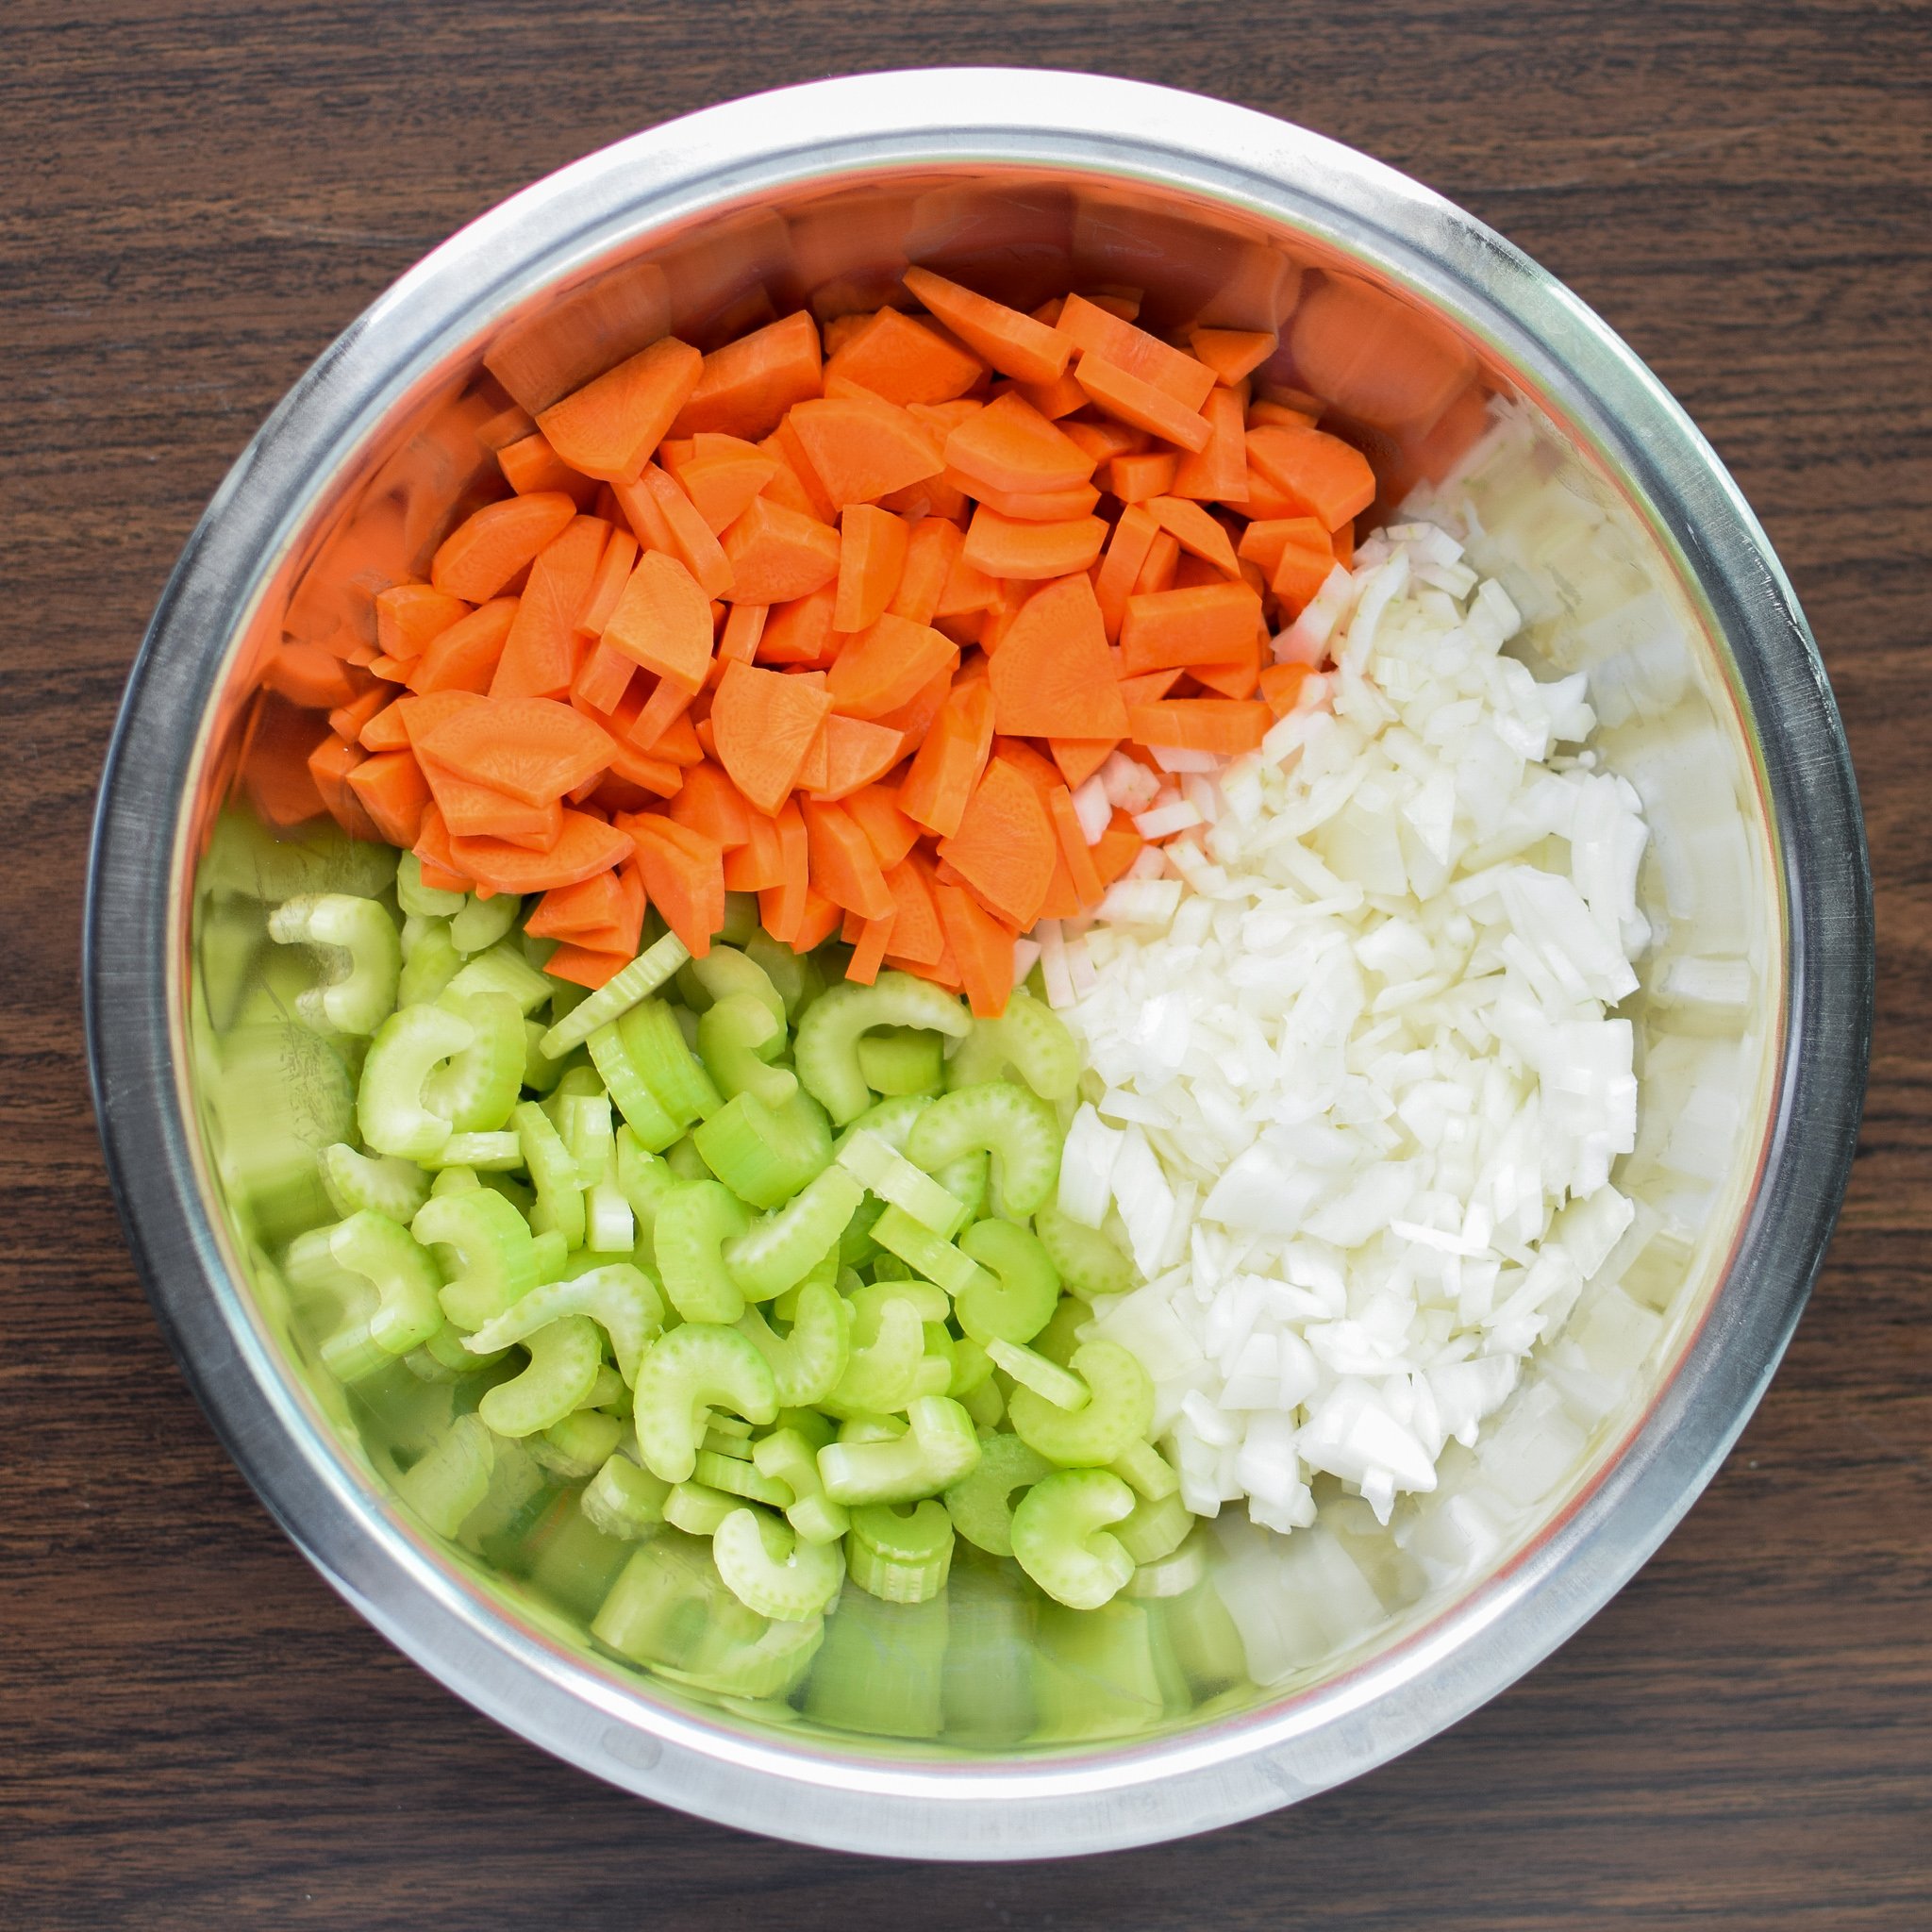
x,y
1207,623
411,617
534,749
1031,506
491,545
950,758
862,451
722,476
712,804
763,723
539,655
1013,343
778,554
800,630
981,948
585,846
1228,725
684,876
893,834
392,790
843,865
530,464
904,360
1232,352
663,620
916,931
746,385
756,866
1009,445
1051,676
1327,478
856,753
1007,547
1122,393
608,428
1218,472
886,665
464,656
931,546
1004,846
1195,531
872,555
690,537
1147,473
1096,332
482,811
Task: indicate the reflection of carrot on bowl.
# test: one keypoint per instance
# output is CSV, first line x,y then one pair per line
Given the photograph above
x,y
774,607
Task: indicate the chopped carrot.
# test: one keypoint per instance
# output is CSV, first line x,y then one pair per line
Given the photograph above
x,y
490,546
1054,399
507,425
657,776
968,589
432,848
913,719
663,620
744,629
566,911
904,360
1264,411
843,865
1126,555
983,947
411,617
662,712
691,539
676,740
803,491
1035,506
722,476
1206,625
782,909
684,876
764,723
346,721
582,966
392,790
872,555
817,921
613,572
539,653
1306,558
932,547
1281,686
800,630
530,464
1010,446
1078,759
1232,352
747,386
951,757
1124,394
1013,343
886,665
1228,725
329,766
1196,532
916,932
483,811
307,675
1264,540
712,804
869,953
862,450
1006,547
534,749
1218,472
756,865
1075,854
1003,848
893,834
1235,678
1374,356
1116,848
610,426
1105,440
857,754
603,677
1051,676
1327,478
1142,356
778,554
386,731
1147,473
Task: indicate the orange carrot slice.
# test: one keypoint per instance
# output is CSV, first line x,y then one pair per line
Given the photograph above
x,y
1281,686
392,790
1218,472
862,450
869,955
778,554
932,547
1007,547
1010,446
534,749
1227,725
916,932
893,834
490,546
756,866
582,966
1051,676
691,538
746,385
539,655
613,572
1093,330
763,723
663,620
464,656
483,811
1004,846
982,947
712,804
950,758
1324,475
1232,352
1013,343
904,360
1206,625
1124,394
886,665
722,476
1147,473
684,876
1034,505
530,464
843,865
608,428
1078,759
872,554
857,754
800,631
411,617
1196,532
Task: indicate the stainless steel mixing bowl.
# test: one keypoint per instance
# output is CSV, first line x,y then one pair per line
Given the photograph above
x,y
1617,531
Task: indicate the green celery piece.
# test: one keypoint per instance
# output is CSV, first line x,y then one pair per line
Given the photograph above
x,y
1030,1038
1039,1375
879,1670
693,1224
249,857
765,1155
785,969
390,1106
787,1456
402,1273
610,1226
425,902
980,1503
553,1173
773,1571
624,1501
476,1090
478,924
1156,1529
1060,1538
499,1152
583,1123
489,1260
1019,1129
644,1177
741,919
902,1059
939,1447
503,969
451,1476
694,1369
1101,1673
807,1363
576,1447
1120,1412
1088,1263
564,1357
1017,1300
697,1508
825,1051
889,1174
902,1558
642,1111
739,1476
737,1036
782,1247
984,1403
659,1050
381,1183
618,995
890,1120
430,962
1146,1472
360,950
971,1368
938,1260
727,972
620,1298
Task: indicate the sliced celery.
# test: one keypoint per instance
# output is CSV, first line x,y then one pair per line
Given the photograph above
x,y
503,969
938,1448
489,1260
889,1174
890,1120
497,1152
617,1296
1060,1538
564,1356
390,1106
727,972
425,902
826,1053
969,1181
478,924
361,953
1039,1375
902,1059
1120,1413
1145,1471
782,1247
659,1050
900,1557
938,1260
738,1036
694,1223
577,1445
1088,1263
402,1273
552,1172
971,1367
785,969
1018,1128
788,1457
1019,1298
885,1348
695,1368
645,1178
643,1113
1030,1038
430,962
476,1089
624,1501
697,1508
738,1475
772,1570
452,1476
765,1155
980,1503
380,1183
583,1126
1155,1529
618,995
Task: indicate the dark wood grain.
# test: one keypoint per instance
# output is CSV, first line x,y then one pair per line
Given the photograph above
x,y
198,196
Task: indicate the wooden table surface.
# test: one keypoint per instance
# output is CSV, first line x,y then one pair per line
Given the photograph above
x,y
195,1731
